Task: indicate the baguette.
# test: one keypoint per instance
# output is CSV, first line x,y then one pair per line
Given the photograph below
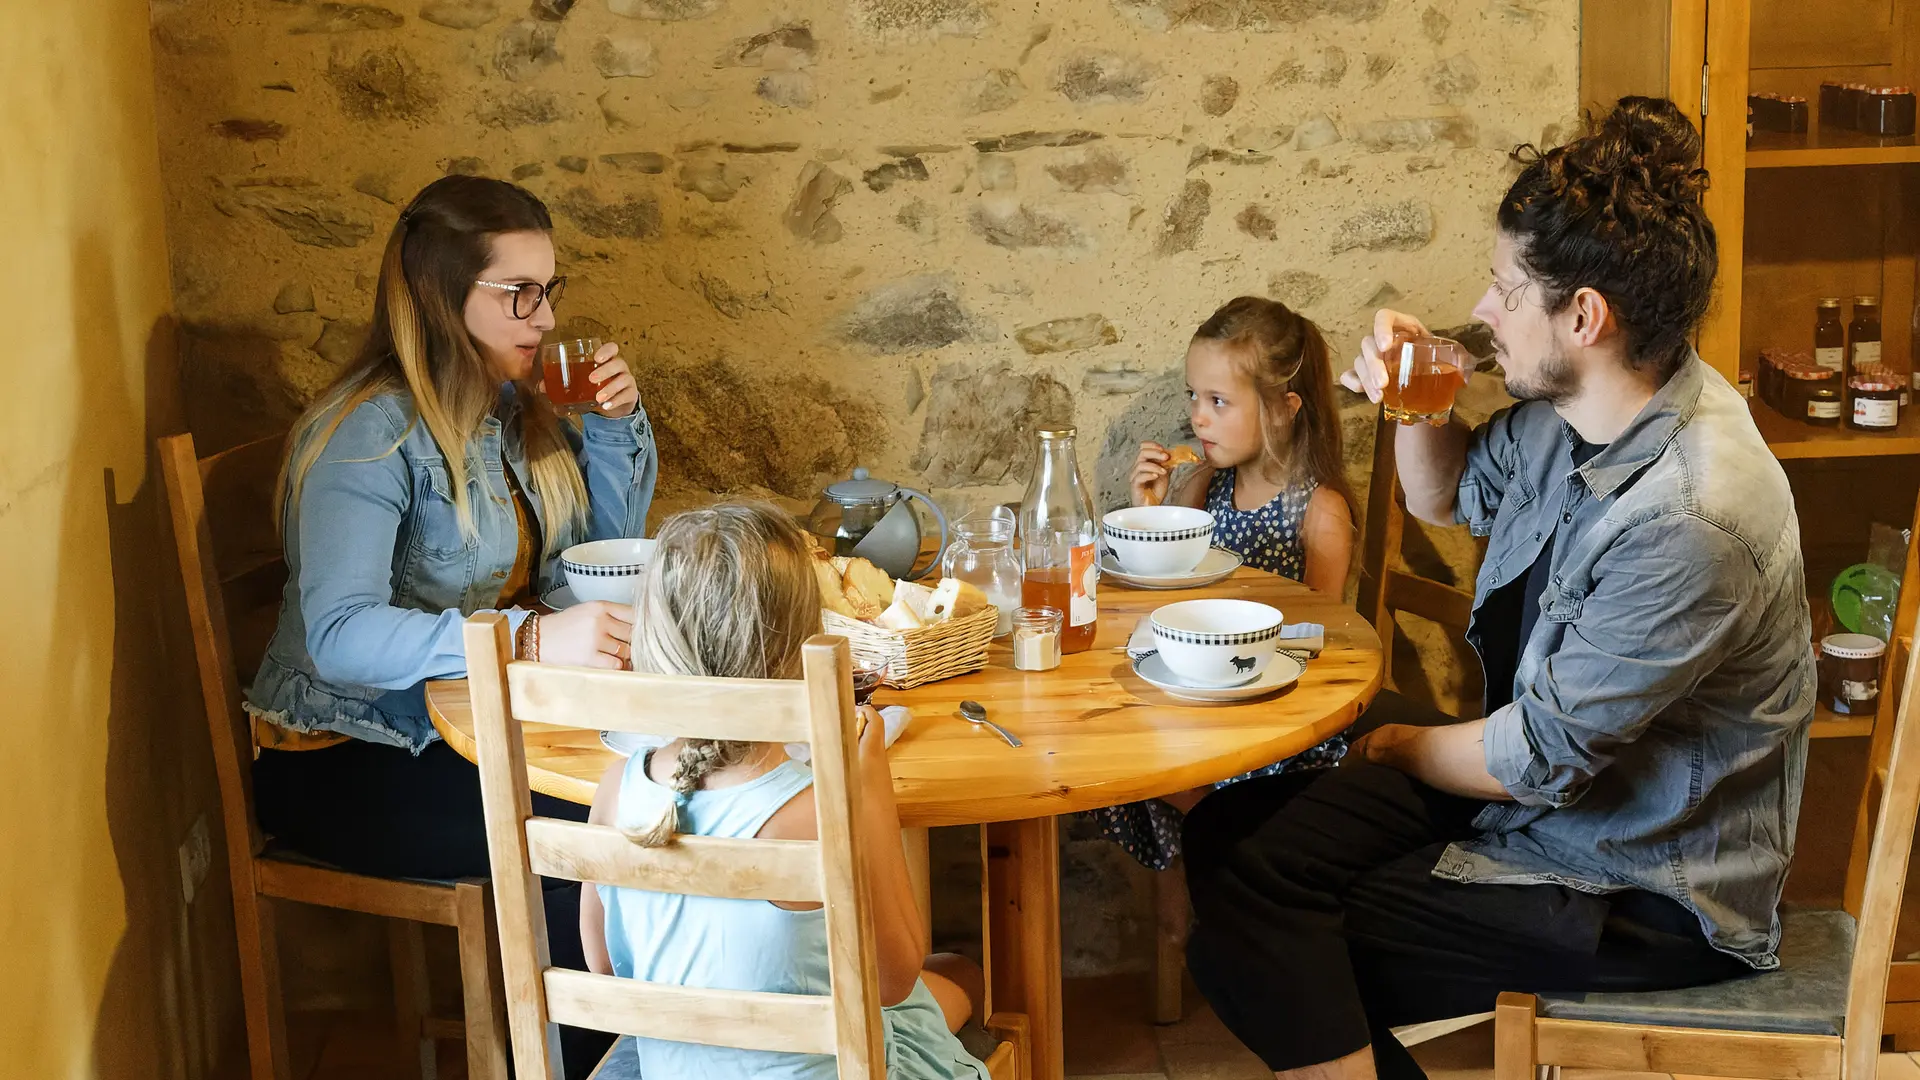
x,y
1182,455
832,590
955,599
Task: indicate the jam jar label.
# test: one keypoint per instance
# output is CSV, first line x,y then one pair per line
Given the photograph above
x,y
1868,412
1859,689
1823,410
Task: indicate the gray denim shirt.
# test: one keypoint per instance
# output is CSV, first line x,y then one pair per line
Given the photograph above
x,y
381,576
1657,738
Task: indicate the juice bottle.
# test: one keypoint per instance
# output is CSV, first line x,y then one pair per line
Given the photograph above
x,y
1058,535
1829,335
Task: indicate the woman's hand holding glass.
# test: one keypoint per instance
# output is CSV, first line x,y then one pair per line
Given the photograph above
x,y
618,394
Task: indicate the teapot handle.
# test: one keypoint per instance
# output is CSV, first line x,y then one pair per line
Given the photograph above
x,y
939,516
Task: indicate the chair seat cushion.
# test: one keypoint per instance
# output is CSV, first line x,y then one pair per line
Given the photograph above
x,y
1805,995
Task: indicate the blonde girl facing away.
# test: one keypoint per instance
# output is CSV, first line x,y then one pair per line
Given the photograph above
x,y
428,482
1260,383
731,594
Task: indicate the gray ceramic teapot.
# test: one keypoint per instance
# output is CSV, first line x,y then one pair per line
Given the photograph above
x,y
874,519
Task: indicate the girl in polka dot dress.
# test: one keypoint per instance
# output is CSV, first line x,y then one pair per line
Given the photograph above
x,y
1261,388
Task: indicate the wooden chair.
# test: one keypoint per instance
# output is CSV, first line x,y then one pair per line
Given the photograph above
x,y
233,577
1384,588
817,710
1819,1015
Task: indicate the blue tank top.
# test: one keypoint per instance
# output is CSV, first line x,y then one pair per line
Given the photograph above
x,y
1267,537
726,944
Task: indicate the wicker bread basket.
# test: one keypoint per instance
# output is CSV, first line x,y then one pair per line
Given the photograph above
x,y
924,654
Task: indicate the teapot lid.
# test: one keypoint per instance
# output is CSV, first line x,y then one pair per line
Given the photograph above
x,y
861,489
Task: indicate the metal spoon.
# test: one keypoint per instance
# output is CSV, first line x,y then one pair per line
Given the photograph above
x,y
976,714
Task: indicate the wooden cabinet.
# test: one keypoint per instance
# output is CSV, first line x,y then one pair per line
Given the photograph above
x,y
1826,213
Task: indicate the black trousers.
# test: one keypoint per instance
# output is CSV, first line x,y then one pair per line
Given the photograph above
x,y
375,809
1318,926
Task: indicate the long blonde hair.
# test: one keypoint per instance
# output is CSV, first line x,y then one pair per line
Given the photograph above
x,y
418,345
730,594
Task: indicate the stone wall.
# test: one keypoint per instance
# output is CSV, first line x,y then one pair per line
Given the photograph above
x,y
893,233
882,232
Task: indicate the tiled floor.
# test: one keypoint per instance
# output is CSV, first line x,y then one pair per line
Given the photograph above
x,y
1108,1038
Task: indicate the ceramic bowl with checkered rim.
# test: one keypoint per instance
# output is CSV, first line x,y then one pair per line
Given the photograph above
x,y
606,569
1216,642
1158,541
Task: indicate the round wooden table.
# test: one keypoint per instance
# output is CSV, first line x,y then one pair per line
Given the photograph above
x,y
1093,733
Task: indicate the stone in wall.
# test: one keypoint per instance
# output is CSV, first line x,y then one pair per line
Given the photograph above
x,y
573,163
1401,226
1099,78
1434,23
552,10
624,58
460,14
997,173
999,88
383,85
785,48
520,108
1317,132
1260,136
293,296
1415,133
1119,381
884,176
1181,221
298,207
980,421
640,161
1298,289
1097,171
1257,16
1066,335
919,218
1158,413
894,19
712,178
787,89
1218,93
464,166
664,10
1016,225
636,217
340,340
726,427
1454,79
1256,222
246,129
1027,140
346,18
524,48
1379,66
914,314
810,215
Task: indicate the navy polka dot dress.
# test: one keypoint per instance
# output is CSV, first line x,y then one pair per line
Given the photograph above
x,y
1267,538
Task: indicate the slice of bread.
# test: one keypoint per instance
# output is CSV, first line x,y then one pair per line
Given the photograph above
x,y
1182,455
868,582
916,596
832,590
899,615
955,599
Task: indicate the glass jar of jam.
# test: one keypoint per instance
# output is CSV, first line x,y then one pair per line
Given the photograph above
x,y
1824,408
1800,393
1850,673
1886,111
1873,401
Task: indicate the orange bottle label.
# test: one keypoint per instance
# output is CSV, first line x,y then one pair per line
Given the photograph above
x,y
1083,608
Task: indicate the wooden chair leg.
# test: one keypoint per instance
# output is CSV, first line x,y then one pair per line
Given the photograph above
x,y
480,986
1172,915
255,920
1514,1056
407,954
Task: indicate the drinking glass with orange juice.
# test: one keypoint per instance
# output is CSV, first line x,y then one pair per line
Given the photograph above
x,y
1423,375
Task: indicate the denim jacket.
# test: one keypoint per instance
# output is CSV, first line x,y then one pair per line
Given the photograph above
x,y
1657,737
381,578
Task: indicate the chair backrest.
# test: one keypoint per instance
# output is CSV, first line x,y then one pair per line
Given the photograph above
x,y
1892,672
1889,828
232,576
817,710
1384,588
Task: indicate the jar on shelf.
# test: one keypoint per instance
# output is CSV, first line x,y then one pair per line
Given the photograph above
x,y
1886,111
1863,334
1829,334
1801,379
1824,408
1873,400
1849,673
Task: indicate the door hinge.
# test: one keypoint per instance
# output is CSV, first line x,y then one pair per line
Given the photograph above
x,y
1703,91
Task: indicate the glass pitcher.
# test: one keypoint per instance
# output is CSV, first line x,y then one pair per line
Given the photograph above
x,y
982,555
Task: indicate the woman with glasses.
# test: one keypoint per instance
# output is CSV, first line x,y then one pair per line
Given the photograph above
x,y
431,481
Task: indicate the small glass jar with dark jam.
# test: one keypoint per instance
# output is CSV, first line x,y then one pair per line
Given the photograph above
x,y
1849,673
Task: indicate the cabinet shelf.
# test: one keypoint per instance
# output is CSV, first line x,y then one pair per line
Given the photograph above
x,y
1828,146
1828,724
1791,439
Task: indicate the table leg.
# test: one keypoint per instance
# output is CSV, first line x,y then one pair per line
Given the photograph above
x,y
1023,933
920,873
